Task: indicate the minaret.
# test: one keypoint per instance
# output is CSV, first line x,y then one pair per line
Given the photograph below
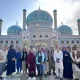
x,y
55,19
0,25
78,22
24,19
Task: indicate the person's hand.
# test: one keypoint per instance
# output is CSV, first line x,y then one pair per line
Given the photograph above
x,y
58,61
28,65
75,62
13,59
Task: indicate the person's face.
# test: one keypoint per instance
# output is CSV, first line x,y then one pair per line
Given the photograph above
x,y
39,48
57,47
12,47
74,48
64,49
19,49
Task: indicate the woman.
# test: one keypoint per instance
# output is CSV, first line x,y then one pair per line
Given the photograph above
x,y
11,56
3,59
24,58
31,64
18,61
67,62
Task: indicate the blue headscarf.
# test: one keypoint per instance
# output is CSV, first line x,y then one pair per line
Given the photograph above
x,y
10,46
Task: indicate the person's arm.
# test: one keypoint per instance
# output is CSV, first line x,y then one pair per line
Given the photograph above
x,y
54,55
61,55
43,57
78,60
72,57
1,56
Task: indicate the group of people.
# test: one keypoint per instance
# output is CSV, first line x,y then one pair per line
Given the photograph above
x,y
62,62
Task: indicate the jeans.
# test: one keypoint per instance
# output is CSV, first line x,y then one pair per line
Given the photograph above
x,y
40,69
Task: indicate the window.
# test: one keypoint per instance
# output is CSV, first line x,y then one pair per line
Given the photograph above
x,y
6,42
11,41
40,36
1,42
62,42
72,42
17,42
77,42
34,36
46,35
67,42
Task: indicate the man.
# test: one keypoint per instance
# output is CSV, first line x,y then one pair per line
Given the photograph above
x,y
40,62
58,58
51,61
3,60
75,55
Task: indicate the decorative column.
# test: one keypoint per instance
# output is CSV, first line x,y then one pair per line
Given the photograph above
x,y
78,22
0,25
24,19
55,19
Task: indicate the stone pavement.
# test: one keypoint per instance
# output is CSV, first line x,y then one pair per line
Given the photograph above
x,y
25,77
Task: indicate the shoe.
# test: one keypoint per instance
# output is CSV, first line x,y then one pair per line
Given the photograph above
x,y
45,75
17,73
49,73
56,77
61,78
76,79
1,78
37,75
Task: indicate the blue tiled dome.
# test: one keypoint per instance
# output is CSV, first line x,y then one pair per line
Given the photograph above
x,y
14,30
39,15
65,30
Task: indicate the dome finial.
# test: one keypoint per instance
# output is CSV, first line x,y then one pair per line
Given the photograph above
x,y
16,22
39,7
61,23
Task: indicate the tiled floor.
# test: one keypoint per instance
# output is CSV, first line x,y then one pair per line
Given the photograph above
x,y
25,77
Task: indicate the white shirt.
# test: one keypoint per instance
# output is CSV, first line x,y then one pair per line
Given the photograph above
x,y
3,54
58,55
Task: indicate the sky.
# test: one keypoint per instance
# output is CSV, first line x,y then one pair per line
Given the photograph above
x,y
11,11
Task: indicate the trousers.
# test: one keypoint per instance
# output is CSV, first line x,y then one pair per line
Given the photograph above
x,y
76,71
2,67
59,69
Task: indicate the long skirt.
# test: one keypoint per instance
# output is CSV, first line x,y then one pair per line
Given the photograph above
x,y
10,67
24,66
2,67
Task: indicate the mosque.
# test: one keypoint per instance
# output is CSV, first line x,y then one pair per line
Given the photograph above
x,y
39,31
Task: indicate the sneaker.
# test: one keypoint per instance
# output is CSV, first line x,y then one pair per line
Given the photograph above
x,y
56,77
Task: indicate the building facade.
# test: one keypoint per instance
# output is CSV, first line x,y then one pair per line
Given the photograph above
x,y
39,32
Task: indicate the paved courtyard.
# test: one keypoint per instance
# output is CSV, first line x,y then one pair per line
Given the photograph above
x,y
25,77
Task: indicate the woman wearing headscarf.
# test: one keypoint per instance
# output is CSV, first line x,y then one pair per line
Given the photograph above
x,y
24,58
18,61
67,63
31,61
11,61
